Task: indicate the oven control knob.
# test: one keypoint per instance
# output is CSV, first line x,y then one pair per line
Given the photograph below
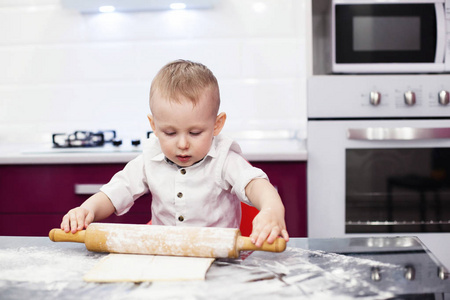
x,y
375,98
444,97
410,98
410,273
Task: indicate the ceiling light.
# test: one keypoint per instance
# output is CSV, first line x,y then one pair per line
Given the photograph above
x,y
132,6
178,5
259,7
106,9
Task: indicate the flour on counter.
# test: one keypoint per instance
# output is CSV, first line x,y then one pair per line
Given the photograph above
x,y
322,274
52,273
44,264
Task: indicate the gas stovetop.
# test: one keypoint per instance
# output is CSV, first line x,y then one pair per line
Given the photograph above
x,y
89,139
84,141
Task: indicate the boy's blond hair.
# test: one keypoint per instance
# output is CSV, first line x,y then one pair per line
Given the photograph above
x,y
185,78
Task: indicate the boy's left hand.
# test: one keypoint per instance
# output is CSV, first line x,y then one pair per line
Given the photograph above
x,y
268,225
269,222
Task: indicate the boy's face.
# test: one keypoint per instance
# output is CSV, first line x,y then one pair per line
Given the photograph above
x,y
185,131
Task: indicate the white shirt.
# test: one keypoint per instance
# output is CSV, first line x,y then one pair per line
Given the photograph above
x,y
206,194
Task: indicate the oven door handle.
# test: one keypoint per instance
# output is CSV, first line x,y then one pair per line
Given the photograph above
x,y
397,134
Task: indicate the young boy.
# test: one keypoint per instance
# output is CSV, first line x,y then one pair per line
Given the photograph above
x,y
196,176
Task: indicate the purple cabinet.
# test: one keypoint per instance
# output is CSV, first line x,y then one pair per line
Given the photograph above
x,y
34,198
290,180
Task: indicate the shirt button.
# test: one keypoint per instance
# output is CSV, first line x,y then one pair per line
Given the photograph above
x,y
181,218
183,171
179,195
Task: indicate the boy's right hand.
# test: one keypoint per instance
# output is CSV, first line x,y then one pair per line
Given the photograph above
x,y
77,219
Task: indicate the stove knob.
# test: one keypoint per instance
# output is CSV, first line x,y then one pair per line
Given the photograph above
x,y
375,98
444,97
410,273
410,98
135,142
375,274
117,142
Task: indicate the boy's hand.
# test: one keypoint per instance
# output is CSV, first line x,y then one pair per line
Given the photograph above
x,y
268,225
97,207
269,222
77,219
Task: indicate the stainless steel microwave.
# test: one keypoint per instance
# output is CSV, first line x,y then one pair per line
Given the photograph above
x,y
390,36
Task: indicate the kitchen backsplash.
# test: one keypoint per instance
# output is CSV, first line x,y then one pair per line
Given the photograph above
x,y
61,70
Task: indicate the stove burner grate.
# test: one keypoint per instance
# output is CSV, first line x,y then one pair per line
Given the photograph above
x,y
83,139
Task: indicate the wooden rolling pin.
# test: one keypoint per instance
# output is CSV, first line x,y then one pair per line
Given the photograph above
x,y
164,240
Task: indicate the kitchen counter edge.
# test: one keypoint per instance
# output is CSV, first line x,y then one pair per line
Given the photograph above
x,y
262,151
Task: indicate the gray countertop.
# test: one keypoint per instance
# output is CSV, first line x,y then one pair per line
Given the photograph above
x,y
253,150
363,268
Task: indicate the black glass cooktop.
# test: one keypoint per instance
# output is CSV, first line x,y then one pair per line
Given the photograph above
x,y
392,267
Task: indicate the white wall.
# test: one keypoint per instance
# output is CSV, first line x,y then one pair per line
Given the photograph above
x,y
61,70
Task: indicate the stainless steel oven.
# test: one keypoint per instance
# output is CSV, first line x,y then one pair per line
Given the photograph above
x,y
379,157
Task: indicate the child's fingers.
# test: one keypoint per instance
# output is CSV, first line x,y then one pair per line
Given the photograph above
x,y
285,235
80,220
263,235
89,219
73,222
72,218
273,234
65,223
255,230
254,236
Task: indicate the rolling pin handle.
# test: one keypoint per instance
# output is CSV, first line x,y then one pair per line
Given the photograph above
x,y
245,244
58,235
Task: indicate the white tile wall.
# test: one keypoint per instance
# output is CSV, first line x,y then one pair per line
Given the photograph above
x,y
61,70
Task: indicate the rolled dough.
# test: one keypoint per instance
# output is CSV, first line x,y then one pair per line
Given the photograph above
x,y
140,268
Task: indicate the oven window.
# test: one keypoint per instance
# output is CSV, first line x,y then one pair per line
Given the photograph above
x,y
397,190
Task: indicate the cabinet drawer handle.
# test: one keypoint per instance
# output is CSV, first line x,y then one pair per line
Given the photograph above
x,y
87,189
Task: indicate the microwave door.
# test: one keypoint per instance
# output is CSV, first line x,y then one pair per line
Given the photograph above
x,y
377,38
380,68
